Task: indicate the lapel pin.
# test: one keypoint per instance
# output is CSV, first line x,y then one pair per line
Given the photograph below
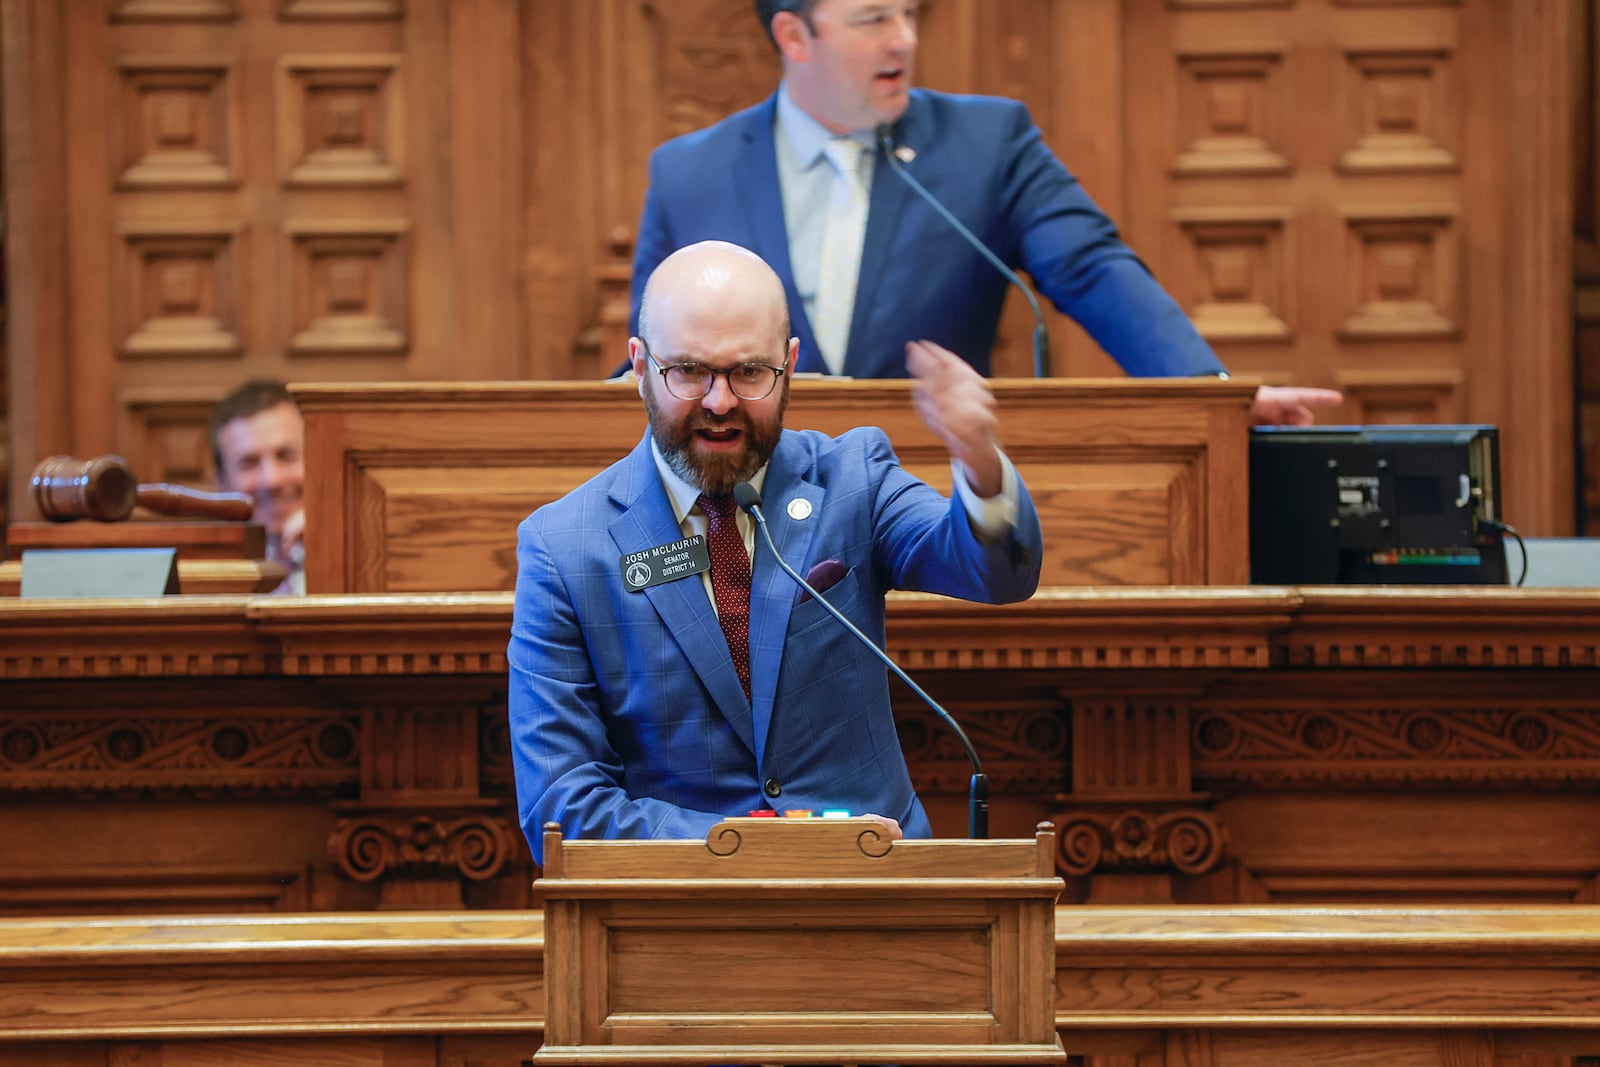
x,y
905,153
799,508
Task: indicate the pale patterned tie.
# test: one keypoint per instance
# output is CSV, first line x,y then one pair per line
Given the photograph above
x,y
730,579
840,263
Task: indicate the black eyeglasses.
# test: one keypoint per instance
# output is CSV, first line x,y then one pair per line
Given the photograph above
x,y
692,381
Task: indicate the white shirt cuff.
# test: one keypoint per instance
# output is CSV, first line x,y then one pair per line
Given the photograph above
x,y
993,517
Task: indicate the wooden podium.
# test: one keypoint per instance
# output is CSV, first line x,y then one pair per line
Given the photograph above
x,y
214,557
787,941
418,487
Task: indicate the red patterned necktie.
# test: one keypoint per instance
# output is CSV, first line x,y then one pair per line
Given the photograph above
x,y
730,579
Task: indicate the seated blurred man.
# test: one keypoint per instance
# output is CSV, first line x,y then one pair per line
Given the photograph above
x,y
258,442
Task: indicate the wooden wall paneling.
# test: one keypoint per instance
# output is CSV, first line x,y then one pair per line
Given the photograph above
x,y
258,188
627,75
648,99
1375,142
558,101
1018,54
356,200
1088,106
1537,348
1494,364
487,153
1585,85
39,411
946,58
163,151
93,243
1015,49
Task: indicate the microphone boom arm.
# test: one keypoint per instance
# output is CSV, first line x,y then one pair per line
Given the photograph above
x,y
978,794
1041,337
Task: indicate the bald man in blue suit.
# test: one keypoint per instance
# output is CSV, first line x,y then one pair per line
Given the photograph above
x,y
758,178
633,712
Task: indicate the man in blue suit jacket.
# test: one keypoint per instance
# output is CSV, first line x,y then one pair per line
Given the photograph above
x,y
632,715
759,178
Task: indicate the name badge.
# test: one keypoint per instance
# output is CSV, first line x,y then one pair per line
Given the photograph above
x,y
665,563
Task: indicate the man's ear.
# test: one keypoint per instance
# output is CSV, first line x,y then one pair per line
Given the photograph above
x,y
794,356
793,36
638,359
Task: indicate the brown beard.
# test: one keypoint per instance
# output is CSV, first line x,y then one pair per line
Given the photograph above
x,y
716,474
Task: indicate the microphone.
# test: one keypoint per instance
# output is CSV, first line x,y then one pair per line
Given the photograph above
x,y
1041,339
748,497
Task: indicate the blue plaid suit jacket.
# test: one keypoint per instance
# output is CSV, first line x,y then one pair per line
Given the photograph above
x,y
626,713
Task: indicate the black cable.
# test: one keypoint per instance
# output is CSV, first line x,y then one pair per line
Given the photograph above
x,y
1507,528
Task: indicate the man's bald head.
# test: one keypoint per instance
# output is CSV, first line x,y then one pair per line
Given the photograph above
x,y
712,278
710,311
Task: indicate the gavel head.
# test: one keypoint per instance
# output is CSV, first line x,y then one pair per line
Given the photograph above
x,y
66,488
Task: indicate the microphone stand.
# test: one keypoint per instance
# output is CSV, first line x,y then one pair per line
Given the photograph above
x,y
749,498
1041,338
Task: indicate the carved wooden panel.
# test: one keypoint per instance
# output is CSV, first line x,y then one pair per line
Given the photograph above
x,y
124,751
179,292
1129,749
178,126
165,434
1403,269
1202,745
349,291
341,120
1477,746
1241,289
1401,113
1233,117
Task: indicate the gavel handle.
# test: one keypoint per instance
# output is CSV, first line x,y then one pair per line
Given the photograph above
x,y
166,499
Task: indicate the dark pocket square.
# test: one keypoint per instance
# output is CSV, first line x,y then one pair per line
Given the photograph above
x,y
822,577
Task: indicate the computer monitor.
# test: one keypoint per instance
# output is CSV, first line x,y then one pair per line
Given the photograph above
x,y
1380,505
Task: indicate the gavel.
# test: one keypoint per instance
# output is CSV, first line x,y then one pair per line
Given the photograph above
x,y
103,488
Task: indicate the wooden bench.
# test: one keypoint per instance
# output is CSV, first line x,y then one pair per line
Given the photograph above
x,y
1157,987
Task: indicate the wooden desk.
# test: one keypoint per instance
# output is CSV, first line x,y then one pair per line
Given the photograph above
x,y
414,488
213,557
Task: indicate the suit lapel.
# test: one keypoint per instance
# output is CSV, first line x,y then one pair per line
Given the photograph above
x,y
772,592
889,197
647,520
